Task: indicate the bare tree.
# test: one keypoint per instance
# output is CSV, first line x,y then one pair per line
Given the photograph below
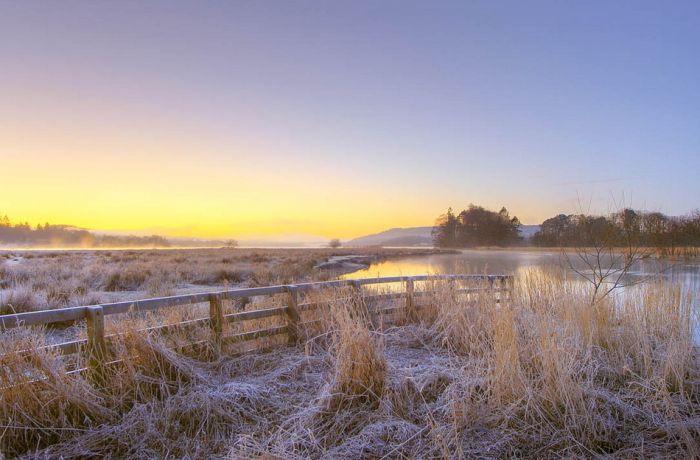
x,y
334,243
607,252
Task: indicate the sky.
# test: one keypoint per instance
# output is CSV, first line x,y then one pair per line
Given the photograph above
x,y
337,119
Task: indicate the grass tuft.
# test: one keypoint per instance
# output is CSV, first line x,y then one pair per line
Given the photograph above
x,y
540,375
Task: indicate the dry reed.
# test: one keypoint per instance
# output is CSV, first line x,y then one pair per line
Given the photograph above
x,y
540,375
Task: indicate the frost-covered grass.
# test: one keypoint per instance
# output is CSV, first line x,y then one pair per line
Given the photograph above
x,y
544,375
39,280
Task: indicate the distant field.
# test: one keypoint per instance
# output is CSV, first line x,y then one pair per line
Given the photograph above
x,y
37,280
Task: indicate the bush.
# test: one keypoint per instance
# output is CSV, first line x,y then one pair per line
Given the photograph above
x,y
228,276
57,295
127,278
19,300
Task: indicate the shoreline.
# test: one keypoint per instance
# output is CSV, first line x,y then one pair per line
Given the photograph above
x,y
684,253
346,264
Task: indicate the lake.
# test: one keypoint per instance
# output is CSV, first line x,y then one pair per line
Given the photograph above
x,y
687,273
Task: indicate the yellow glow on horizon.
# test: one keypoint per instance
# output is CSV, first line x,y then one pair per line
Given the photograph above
x,y
172,192
173,186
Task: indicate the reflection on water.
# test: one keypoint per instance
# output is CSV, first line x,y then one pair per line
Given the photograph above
x,y
511,262
685,273
466,262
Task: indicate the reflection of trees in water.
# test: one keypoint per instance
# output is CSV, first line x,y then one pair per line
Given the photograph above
x,y
513,262
687,274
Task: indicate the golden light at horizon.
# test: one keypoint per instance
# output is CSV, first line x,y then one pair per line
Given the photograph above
x,y
194,199
169,191
138,171
96,178
243,118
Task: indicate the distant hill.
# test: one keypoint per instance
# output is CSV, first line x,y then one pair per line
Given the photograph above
x,y
415,236
527,231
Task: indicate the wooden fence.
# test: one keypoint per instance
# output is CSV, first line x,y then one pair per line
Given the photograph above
x,y
96,343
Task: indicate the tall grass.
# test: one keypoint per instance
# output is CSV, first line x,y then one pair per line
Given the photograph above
x,y
360,365
539,375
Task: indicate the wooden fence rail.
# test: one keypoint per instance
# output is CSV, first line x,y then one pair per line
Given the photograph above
x,y
96,343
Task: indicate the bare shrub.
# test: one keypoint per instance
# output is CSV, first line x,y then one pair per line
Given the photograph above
x,y
160,284
224,276
18,300
127,278
57,295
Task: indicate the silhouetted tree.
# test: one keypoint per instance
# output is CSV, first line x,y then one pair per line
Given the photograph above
x,y
476,226
445,230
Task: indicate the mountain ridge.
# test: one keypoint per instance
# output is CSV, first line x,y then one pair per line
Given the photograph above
x,y
414,236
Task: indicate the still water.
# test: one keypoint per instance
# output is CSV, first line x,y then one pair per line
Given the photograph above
x,y
513,261
510,262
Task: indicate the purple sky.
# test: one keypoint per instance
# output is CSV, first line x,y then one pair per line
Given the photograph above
x,y
390,110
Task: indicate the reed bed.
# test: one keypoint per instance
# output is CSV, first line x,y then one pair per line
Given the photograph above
x,y
541,374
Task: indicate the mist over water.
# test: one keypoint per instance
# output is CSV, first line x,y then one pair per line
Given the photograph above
x,y
512,262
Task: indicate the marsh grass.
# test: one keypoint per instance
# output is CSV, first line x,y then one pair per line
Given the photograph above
x,y
540,375
358,354
38,280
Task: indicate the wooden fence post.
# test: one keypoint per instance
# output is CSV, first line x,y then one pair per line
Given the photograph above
x,y
357,288
216,321
96,346
362,307
410,301
293,313
508,285
501,290
452,288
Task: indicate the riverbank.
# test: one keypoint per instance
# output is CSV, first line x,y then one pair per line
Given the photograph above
x,y
345,264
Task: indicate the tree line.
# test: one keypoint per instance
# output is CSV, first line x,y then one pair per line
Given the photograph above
x,y
23,234
477,226
628,226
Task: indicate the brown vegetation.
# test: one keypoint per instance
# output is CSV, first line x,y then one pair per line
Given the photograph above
x,y
37,280
541,375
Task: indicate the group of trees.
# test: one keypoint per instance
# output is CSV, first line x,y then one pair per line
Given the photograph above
x,y
22,234
628,226
605,248
476,226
